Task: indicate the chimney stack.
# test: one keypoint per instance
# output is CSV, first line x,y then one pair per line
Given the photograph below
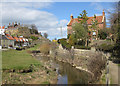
x,y
13,23
3,27
71,17
103,13
9,24
18,23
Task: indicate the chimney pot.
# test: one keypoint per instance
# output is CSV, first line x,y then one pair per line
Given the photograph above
x,y
15,22
103,12
71,17
12,23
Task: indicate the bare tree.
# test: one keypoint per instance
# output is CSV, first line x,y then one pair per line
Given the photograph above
x,y
45,35
34,29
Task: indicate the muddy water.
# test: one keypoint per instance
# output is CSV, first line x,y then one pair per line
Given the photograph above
x,y
66,73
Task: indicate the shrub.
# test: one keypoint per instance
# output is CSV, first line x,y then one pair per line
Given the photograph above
x,y
64,43
68,46
102,34
82,47
106,47
45,48
34,38
72,40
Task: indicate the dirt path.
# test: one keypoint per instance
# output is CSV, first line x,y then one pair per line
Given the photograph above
x,y
113,71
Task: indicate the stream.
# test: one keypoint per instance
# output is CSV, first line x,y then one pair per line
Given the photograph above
x,y
66,73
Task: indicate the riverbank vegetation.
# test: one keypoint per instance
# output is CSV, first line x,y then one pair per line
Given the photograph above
x,y
115,27
21,67
45,48
113,44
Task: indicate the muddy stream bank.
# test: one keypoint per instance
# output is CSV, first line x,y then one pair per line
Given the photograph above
x,y
67,74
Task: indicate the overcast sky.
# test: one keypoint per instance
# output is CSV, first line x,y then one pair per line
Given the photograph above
x,y
49,16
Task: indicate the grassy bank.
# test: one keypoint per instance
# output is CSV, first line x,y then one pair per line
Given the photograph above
x,y
118,65
36,47
13,59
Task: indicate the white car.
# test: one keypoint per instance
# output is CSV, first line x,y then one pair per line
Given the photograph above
x,y
24,45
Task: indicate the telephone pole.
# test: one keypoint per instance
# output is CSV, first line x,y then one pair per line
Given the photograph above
x,y
61,31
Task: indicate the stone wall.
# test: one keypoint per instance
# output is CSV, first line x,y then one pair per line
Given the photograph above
x,y
87,60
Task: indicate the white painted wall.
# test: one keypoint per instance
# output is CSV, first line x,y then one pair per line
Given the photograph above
x,y
0,47
2,31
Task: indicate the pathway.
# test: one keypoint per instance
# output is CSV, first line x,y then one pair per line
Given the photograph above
x,y
113,71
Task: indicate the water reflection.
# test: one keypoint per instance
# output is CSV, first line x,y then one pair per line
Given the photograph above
x,y
74,76
62,79
66,73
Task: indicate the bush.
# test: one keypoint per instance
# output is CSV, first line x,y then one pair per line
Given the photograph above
x,y
68,46
45,48
82,47
106,47
34,38
102,34
64,43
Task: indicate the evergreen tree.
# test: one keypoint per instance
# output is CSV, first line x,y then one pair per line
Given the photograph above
x,y
83,20
94,26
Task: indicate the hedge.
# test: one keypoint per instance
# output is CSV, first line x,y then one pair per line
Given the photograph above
x,y
82,47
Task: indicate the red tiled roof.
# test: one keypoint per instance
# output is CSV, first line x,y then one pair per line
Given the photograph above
x,y
89,21
3,27
17,39
20,39
9,37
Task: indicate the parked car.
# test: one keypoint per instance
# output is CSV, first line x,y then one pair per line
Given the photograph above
x,y
24,45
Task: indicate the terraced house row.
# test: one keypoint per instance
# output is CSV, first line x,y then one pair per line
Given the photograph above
x,y
8,41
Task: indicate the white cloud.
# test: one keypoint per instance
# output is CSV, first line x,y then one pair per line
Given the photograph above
x,y
63,22
28,13
60,0
40,18
32,5
97,5
27,0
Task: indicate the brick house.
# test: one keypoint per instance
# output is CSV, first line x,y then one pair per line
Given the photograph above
x,y
101,24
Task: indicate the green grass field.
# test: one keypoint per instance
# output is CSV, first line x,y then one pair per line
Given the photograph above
x,y
36,47
13,59
119,65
